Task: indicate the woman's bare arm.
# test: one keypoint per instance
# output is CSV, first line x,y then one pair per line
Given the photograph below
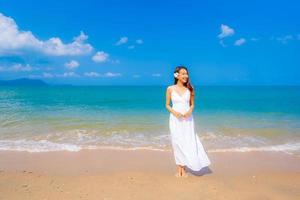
x,y
168,100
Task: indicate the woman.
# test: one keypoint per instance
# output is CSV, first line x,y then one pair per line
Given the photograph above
x,y
187,148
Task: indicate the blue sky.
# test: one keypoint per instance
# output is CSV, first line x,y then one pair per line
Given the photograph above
x,y
141,42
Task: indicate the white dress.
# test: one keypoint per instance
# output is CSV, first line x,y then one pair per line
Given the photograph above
x,y
187,148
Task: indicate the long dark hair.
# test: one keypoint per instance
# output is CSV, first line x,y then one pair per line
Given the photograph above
x,y
186,84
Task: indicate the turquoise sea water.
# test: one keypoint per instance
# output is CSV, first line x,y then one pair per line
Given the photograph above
x,y
227,118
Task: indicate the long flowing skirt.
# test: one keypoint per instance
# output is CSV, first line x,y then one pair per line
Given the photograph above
x,y
187,147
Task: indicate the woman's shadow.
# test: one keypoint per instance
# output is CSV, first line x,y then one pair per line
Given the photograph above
x,y
201,172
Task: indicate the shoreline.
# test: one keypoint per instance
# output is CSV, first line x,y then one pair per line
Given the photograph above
x,y
146,174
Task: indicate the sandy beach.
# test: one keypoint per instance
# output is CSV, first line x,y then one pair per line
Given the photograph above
x,y
146,174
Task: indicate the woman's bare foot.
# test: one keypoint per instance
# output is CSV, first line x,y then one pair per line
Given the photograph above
x,y
179,169
183,172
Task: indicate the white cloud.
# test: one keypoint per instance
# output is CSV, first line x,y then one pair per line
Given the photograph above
x,y
100,56
92,74
12,39
131,47
51,75
73,64
18,68
139,41
107,74
67,74
54,46
156,75
284,39
74,75
44,75
239,42
226,31
111,74
122,40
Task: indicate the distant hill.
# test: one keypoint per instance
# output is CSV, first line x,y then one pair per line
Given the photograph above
x,y
23,82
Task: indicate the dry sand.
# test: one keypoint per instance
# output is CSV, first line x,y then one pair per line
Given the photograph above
x,y
146,174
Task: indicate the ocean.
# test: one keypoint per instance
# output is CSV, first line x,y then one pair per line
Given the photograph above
x,y
227,118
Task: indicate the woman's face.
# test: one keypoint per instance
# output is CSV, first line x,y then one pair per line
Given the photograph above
x,y
183,75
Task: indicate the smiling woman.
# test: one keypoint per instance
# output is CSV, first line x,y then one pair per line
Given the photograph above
x,y
187,148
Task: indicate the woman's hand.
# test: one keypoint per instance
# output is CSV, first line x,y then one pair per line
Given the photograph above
x,y
187,114
177,114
